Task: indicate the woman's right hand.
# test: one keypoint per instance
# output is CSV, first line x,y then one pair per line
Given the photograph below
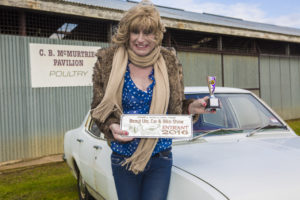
x,y
117,133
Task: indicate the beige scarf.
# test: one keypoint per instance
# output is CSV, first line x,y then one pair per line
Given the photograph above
x,y
112,99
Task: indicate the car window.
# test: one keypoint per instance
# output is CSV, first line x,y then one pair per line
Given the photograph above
x,y
247,113
219,119
241,111
94,130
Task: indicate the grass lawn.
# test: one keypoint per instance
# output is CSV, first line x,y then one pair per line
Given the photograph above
x,y
52,181
295,125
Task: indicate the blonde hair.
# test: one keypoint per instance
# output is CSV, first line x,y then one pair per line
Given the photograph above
x,y
142,17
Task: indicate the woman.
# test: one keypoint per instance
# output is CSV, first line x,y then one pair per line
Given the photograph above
x,y
138,76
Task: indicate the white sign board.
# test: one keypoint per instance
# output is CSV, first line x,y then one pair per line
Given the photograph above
x,y
61,65
160,126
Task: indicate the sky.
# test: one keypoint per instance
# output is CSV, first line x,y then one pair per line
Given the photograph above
x,y
277,12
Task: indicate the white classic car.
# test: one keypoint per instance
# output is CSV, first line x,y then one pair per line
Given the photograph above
x,y
243,152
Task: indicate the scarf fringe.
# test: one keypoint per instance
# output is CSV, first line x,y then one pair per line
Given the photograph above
x,y
138,161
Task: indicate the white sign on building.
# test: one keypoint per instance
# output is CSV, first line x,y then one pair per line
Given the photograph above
x,y
61,65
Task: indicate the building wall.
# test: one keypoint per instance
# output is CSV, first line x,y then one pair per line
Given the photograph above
x,y
230,70
197,66
280,83
241,71
33,120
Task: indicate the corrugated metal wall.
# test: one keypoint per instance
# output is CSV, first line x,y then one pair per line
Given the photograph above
x,y
241,71
280,83
238,71
33,121
197,66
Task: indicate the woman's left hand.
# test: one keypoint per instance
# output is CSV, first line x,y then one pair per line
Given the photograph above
x,y
198,106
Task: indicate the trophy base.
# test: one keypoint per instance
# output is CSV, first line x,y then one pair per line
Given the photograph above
x,y
213,103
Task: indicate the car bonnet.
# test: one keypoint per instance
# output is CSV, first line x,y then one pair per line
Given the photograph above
x,y
245,169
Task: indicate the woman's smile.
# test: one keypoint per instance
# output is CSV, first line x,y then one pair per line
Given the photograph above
x,y
141,43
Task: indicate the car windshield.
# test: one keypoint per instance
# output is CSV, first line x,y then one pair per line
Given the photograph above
x,y
239,113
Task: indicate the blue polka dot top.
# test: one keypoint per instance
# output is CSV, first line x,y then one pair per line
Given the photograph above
x,y
136,101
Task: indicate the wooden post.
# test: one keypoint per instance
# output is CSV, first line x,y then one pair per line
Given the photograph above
x,y
220,43
22,23
109,31
287,50
168,38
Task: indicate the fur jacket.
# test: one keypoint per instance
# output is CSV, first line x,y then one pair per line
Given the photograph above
x,y
177,102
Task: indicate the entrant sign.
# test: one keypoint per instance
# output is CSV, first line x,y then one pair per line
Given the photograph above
x,y
61,65
158,126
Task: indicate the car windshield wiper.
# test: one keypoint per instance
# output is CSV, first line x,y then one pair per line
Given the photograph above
x,y
269,126
215,131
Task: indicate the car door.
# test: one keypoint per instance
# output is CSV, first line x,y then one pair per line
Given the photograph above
x,y
86,150
104,183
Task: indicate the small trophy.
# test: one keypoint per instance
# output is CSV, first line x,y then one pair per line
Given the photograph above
x,y
213,102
